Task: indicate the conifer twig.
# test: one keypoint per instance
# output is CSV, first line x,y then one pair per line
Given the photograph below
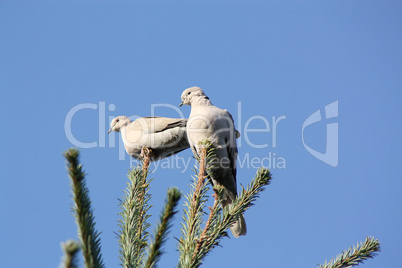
x,y
221,219
83,213
162,229
203,237
192,218
145,157
196,201
355,255
133,223
201,173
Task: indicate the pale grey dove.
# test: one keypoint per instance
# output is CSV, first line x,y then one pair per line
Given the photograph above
x,y
163,136
207,121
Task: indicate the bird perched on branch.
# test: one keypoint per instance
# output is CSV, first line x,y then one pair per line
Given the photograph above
x,y
208,122
163,136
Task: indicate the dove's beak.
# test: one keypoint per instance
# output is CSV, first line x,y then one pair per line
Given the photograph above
x,y
181,104
110,130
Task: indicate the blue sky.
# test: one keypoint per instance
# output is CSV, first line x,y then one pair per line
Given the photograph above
x,y
261,61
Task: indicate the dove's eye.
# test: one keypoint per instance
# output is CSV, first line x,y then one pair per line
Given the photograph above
x,y
189,93
117,120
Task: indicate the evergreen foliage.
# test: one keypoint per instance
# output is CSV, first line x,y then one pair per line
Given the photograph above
x,y
199,233
355,255
88,235
133,234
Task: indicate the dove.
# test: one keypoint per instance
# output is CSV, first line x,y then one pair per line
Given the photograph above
x,y
208,122
163,136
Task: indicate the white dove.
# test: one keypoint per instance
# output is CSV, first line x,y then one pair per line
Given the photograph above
x,y
163,136
208,122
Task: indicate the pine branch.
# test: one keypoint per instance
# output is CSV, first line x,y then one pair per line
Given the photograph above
x,y
246,198
355,255
162,229
221,219
83,213
70,248
192,218
133,223
212,217
145,157
195,245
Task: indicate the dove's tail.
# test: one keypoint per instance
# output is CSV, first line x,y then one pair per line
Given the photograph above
x,y
239,228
